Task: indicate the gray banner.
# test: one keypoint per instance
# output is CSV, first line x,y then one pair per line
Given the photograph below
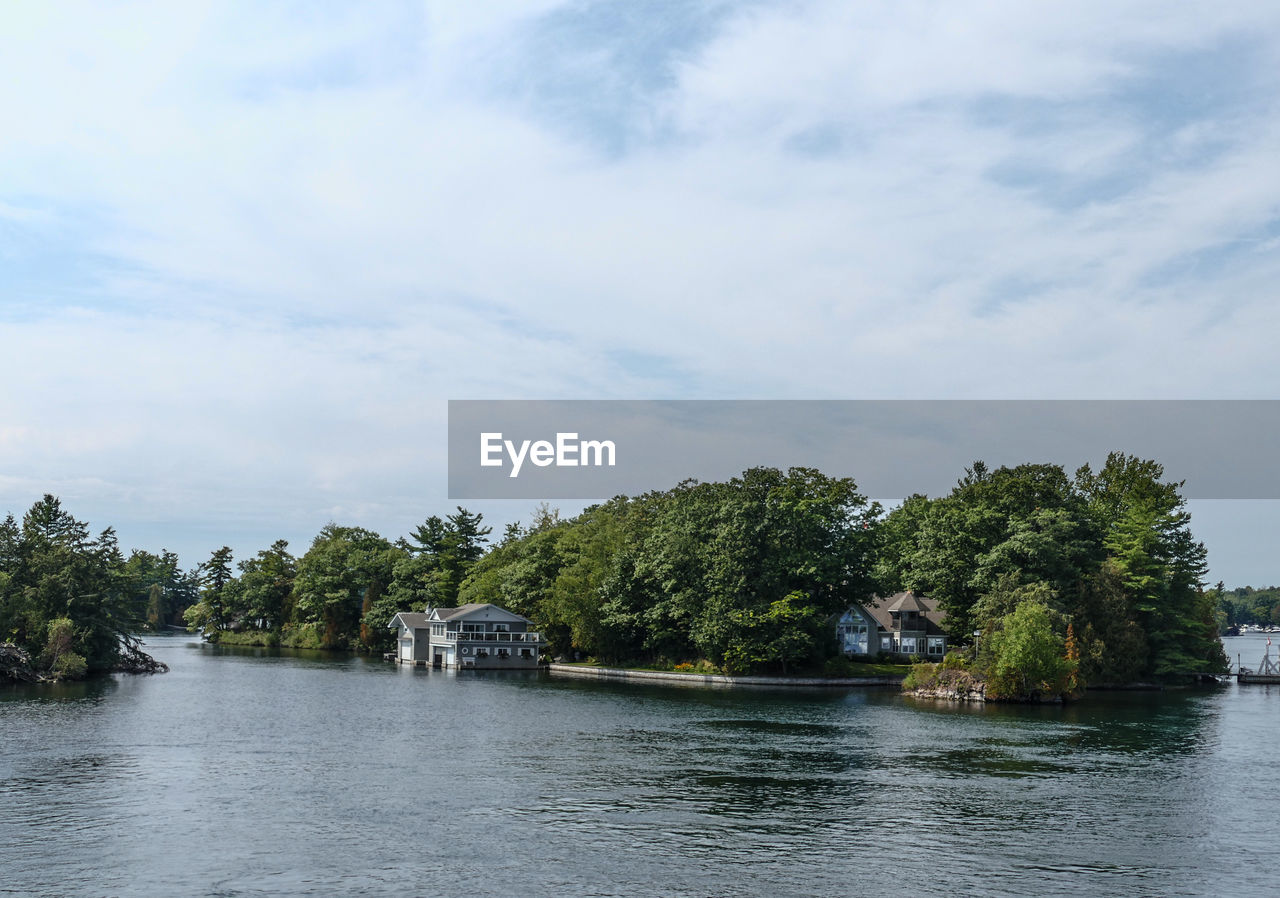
x,y
595,449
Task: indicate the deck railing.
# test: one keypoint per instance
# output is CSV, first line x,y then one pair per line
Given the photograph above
x,y
472,636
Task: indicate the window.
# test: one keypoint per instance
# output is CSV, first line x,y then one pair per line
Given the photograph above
x,y
936,645
504,653
886,643
853,638
524,653
908,645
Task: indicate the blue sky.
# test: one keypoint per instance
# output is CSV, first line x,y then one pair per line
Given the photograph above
x,y
248,251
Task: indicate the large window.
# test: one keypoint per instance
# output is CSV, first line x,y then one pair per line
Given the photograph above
x,y
853,637
937,645
908,645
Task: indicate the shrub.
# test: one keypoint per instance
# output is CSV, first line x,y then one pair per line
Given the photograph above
x,y
59,655
1029,659
922,676
70,666
839,666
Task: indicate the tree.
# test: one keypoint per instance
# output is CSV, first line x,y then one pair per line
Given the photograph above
x,y
1026,658
65,596
339,579
214,577
266,581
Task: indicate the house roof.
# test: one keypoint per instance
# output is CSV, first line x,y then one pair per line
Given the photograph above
x,y
411,619
909,601
416,619
881,611
446,613
467,610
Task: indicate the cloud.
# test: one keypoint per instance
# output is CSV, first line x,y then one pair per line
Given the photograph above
x,y
246,252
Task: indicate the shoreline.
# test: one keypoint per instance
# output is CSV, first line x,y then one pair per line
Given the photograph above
x,y
722,680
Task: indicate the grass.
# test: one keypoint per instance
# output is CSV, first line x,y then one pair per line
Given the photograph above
x,y
248,637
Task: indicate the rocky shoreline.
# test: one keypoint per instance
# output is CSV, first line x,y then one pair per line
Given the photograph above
x,y
16,665
972,693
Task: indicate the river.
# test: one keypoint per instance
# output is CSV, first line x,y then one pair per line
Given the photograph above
x,y
269,772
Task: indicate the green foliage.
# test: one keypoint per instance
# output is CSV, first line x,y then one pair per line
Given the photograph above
x,y
921,676
1112,551
339,580
1025,658
261,598
59,656
66,598
1247,605
744,574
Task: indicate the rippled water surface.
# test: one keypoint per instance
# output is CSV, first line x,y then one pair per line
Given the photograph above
x,y
252,772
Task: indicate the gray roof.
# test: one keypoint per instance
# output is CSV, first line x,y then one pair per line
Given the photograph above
x,y
411,619
446,613
415,619
470,608
907,601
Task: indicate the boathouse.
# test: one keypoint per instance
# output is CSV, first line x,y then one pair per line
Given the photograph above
x,y
480,636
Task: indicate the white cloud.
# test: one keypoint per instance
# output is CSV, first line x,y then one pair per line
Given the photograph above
x,y
297,232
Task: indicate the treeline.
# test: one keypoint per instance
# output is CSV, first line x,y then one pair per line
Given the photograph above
x,y
1247,605
71,602
1088,578
742,575
343,592
1070,579
1094,578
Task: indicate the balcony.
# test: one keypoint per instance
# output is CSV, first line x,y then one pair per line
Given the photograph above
x,y
472,636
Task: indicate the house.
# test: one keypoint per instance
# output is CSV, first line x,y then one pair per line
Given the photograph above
x,y
905,624
473,635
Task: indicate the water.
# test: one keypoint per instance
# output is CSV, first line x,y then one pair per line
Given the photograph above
x,y
255,772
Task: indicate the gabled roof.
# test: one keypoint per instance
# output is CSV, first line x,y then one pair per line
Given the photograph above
x,y
909,601
471,609
411,619
881,611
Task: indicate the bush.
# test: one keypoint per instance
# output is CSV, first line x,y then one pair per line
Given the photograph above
x,y
839,666
305,636
266,638
70,666
1029,659
922,676
59,655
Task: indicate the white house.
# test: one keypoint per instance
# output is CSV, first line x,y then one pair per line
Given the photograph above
x,y
474,635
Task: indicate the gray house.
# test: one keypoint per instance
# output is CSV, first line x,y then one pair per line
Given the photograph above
x,y
479,636
905,624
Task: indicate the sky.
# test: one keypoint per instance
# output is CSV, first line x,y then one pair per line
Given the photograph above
x,y
249,251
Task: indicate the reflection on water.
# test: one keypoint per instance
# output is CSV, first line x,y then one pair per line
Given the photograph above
x,y
250,771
